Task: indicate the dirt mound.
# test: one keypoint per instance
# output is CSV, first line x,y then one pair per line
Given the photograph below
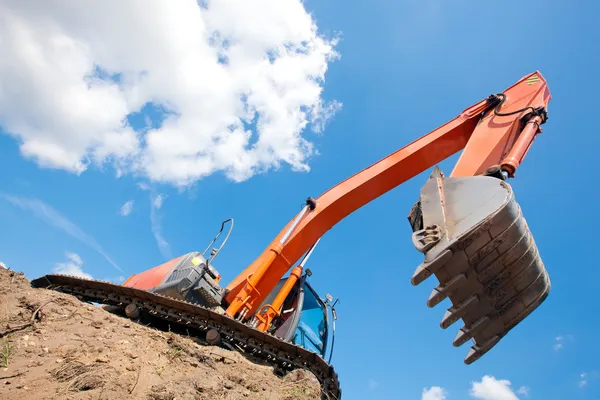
x,y
55,346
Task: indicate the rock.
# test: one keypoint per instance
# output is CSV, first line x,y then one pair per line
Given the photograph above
x,y
96,324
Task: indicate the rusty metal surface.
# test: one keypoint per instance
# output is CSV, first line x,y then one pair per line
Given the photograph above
x,y
281,355
478,245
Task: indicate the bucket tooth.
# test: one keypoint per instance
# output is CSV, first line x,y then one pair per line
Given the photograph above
x,y
453,314
435,298
441,291
425,270
476,352
477,243
464,333
462,337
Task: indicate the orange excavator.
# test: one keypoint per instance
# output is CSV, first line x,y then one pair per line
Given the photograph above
x,y
468,226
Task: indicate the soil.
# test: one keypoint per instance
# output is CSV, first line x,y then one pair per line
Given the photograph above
x,y
53,346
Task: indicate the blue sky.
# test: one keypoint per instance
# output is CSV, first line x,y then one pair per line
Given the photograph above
x,y
405,67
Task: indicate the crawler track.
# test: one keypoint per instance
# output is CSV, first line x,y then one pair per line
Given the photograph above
x,y
284,356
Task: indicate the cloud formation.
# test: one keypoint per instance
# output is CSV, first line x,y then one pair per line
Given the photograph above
x,y
433,393
583,379
54,218
126,208
156,225
158,201
184,89
490,388
73,266
560,341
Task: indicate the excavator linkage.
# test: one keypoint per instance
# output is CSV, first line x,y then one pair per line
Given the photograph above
x,y
478,245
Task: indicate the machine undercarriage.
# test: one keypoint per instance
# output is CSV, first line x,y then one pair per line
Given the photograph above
x,y
197,320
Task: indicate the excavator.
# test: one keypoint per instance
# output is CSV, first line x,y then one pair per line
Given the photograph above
x,y
468,226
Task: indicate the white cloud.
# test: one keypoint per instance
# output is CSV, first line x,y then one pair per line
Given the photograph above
x,y
156,226
2,265
237,84
583,379
491,388
523,390
158,201
54,218
560,341
72,267
434,393
74,258
126,208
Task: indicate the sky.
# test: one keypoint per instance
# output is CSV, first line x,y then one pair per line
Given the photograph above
x,y
130,131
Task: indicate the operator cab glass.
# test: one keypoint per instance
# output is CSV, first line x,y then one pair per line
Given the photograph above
x,y
304,318
311,332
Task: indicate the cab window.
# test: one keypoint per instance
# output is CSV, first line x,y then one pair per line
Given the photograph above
x,y
312,327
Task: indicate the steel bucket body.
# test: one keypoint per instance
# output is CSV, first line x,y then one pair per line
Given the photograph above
x,y
478,245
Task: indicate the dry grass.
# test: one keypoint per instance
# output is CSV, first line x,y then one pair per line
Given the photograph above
x,y
6,352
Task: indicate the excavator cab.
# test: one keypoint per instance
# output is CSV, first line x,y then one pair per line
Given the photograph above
x,y
305,319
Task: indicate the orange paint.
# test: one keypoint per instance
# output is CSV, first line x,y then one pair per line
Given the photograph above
x,y
272,310
152,277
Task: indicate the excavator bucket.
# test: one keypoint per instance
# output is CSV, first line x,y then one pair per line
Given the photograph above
x,y
478,245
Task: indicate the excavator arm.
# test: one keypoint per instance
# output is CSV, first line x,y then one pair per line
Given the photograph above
x,y
495,133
